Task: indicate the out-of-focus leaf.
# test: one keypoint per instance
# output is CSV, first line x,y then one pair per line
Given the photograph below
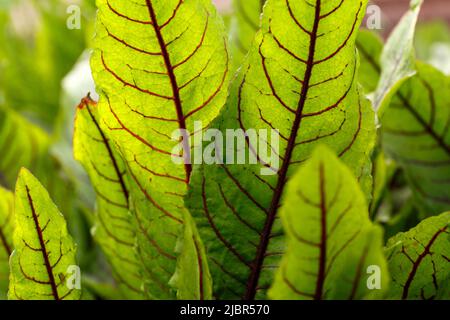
x,y
113,228
331,242
369,46
419,260
397,59
416,133
383,170
300,78
159,66
43,249
22,144
245,22
6,232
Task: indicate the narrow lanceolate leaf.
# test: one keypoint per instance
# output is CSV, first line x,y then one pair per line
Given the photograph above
x,y
416,133
43,261
114,229
21,144
159,65
419,261
6,232
244,25
331,241
192,278
370,47
398,58
300,78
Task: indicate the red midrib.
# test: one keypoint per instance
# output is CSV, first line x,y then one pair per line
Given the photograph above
x,y
43,247
175,90
252,282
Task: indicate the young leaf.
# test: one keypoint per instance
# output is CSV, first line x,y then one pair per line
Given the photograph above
x,y
43,249
416,133
244,25
331,242
6,232
398,58
192,278
113,228
300,79
159,65
419,260
370,46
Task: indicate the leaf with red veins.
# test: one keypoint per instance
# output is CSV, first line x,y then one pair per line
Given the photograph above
x,y
159,66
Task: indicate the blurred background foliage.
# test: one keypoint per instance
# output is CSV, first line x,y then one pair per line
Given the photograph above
x,y
44,72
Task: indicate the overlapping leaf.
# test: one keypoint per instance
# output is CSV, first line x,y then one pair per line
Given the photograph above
x,y
300,78
113,229
244,25
6,232
331,241
416,133
159,65
192,278
419,260
43,249
397,58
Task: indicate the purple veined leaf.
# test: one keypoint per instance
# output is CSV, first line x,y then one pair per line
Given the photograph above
x,y
113,226
43,263
300,78
333,249
159,66
419,261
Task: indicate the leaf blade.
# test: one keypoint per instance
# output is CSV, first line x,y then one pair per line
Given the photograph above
x,y
43,249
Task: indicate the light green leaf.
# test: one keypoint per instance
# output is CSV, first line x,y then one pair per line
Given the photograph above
x,y
416,134
331,242
113,229
159,65
245,22
370,46
300,78
6,232
44,252
419,260
23,145
37,54
397,59
192,278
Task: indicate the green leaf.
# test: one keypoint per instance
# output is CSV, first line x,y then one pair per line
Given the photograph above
x,y
23,145
113,229
331,242
192,278
397,59
159,66
39,49
300,78
419,260
43,249
245,22
370,46
6,232
416,134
